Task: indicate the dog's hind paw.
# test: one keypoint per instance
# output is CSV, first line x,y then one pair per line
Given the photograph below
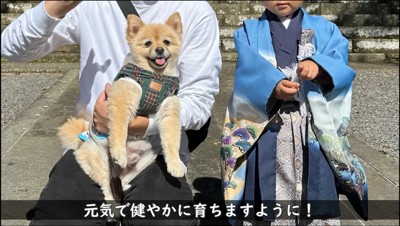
x,y
176,168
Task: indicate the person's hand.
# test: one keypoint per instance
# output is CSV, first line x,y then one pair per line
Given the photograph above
x,y
138,126
286,89
307,70
100,111
58,9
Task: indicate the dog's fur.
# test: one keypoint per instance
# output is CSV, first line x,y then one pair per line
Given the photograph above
x,y
145,42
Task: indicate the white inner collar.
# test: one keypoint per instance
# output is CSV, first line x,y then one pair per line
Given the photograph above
x,y
286,20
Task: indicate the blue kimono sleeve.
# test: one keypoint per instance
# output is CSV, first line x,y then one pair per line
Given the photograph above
x,y
255,76
332,56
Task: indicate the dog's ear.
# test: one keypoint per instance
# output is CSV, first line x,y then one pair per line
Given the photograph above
x,y
134,25
175,22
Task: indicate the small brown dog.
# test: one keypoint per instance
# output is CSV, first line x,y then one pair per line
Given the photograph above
x,y
151,72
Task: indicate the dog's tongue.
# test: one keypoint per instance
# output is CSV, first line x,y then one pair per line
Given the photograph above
x,y
160,61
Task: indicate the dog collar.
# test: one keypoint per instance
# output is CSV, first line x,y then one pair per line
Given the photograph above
x,y
85,136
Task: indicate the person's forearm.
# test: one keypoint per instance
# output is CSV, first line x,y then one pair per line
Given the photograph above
x,y
199,84
34,34
138,126
58,9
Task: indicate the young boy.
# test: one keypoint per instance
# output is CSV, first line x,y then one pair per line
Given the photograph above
x,y
284,141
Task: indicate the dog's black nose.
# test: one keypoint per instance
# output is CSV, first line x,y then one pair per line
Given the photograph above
x,y
159,50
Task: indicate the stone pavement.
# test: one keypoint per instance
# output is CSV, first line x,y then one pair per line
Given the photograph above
x,y
29,147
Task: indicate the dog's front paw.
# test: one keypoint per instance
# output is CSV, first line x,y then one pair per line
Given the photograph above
x,y
122,162
120,157
176,168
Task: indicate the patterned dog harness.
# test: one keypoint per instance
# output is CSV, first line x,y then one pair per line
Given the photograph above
x,y
155,87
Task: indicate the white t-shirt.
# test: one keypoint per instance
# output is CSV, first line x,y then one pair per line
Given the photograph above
x,y
99,27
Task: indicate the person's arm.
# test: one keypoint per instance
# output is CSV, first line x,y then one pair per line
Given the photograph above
x,y
199,66
58,9
39,31
309,70
332,60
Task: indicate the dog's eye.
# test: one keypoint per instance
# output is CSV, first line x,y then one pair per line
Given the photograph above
x,y
166,42
147,44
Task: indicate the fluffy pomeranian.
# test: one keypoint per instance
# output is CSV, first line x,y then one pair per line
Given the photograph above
x,y
146,84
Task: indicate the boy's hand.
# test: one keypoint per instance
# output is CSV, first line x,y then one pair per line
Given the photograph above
x,y
286,89
58,9
307,70
100,111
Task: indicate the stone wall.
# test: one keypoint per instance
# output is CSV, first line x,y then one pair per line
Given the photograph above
x,y
371,26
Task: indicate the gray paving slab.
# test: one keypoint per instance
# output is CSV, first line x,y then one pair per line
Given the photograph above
x,y
29,146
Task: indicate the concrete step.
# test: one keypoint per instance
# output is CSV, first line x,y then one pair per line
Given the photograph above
x,y
357,32
68,49
15,69
228,56
370,31
56,57
374,57
374,45
238,7
388,20
353,7
366,45
353,57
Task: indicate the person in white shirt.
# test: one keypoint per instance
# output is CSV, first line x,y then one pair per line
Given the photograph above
x,y
99,28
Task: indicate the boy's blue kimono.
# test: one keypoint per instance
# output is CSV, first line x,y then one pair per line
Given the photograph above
x,y
247,115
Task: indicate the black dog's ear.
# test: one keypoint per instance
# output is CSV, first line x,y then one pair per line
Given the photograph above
x,y
175,22
134,25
